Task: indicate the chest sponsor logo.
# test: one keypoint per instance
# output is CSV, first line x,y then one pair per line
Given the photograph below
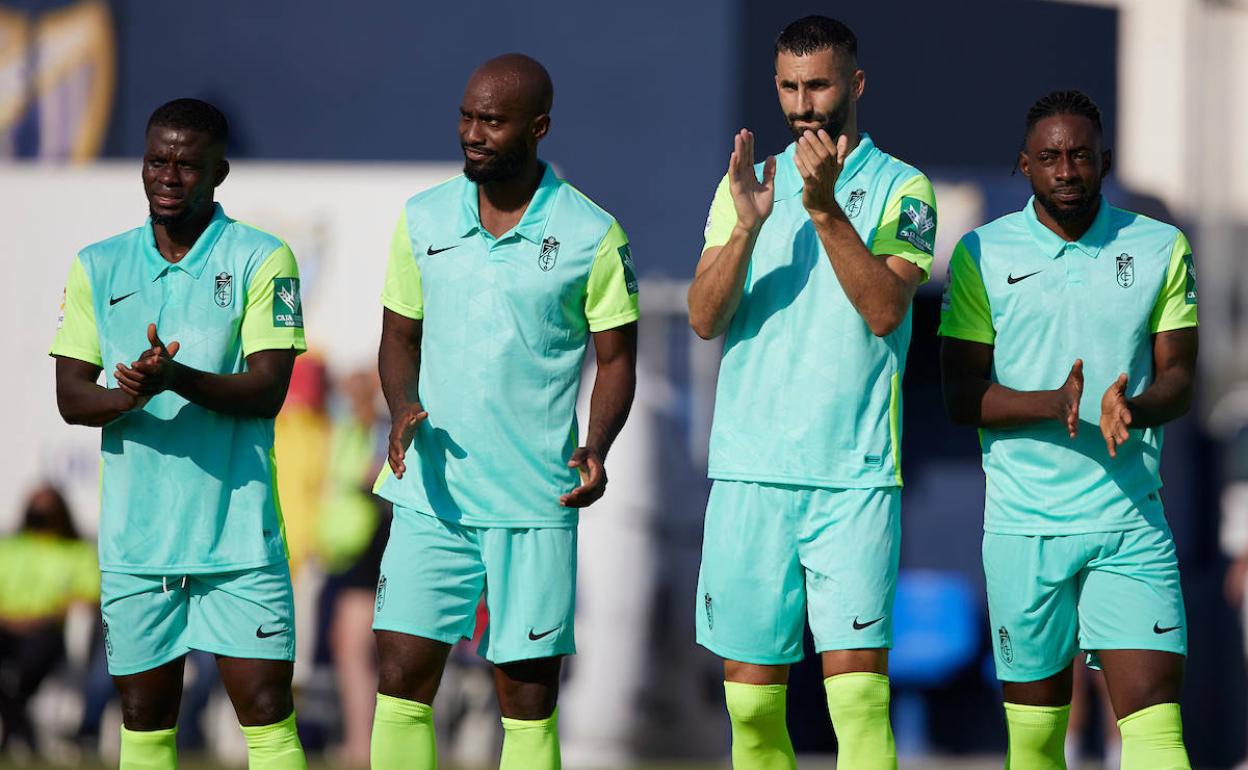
x,y
1125,264
287,307
223,289
854,204
549,253
916,224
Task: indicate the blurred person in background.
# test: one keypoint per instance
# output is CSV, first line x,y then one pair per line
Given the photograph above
x,y
353,527
496,281
301,437
45,568
1233,534
191,542
1077,552
810,264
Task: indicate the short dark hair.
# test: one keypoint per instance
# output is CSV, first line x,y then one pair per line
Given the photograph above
x,y
811,34
1070,102
192,115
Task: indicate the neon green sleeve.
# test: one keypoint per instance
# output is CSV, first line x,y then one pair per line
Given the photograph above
x,y
908,227
76,333
964,312
273,317
1176,303
611,293
722,217
403,292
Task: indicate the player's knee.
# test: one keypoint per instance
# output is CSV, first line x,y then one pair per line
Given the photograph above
x,y
144,711
265,706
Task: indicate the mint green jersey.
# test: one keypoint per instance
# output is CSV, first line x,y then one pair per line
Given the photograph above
x,y
505,322
185,489
1043,302
807,394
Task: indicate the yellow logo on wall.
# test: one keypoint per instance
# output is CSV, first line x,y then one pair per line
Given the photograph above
x,y
57,71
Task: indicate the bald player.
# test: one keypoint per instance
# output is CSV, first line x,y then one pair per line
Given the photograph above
x,y
497,279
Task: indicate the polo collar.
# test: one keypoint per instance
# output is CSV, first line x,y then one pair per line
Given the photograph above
x,y
532,223
1052,244
789,179
193,262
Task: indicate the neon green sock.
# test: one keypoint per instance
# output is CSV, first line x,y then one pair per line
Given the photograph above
x,y
531,744
149,749
275,746
760,736
1037,737
403,735
858,706
1152,739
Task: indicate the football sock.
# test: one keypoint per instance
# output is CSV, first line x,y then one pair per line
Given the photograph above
x,y
275,746
149,749
760,736
1037,737
858,706
531,744
1152,739
403,735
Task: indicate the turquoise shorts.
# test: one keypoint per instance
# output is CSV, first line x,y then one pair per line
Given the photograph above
x,y
150,620
775,556
434,573
1050,596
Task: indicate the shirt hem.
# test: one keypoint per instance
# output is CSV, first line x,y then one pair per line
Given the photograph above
x,y
1091,529
299,346
802,481
1188,323
188,569
469,521
406,311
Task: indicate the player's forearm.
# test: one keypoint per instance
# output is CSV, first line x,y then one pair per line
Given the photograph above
x,y
876,292
86,403
986,404
716,292
1167,398
398,365
247,394
610,402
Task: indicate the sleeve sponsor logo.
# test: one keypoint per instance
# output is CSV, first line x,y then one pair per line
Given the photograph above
x,y
287,307
630,272
60,316
1189,294
916,224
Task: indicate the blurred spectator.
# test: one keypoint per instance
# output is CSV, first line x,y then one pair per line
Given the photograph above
x,y
44,568
1234,532
353,528
301,445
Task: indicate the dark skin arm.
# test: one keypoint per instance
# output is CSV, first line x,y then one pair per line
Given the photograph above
x,y
972,398
257,392
83,401
398,363
612,397
1168,397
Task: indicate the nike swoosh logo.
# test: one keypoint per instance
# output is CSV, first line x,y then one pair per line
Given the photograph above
x,y
1157,629
431,251
859,626
262,634
534,637
115,300
1011,280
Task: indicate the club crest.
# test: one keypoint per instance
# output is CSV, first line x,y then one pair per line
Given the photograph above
x,y
854,204
1126,270
1007,648
549,253
223,289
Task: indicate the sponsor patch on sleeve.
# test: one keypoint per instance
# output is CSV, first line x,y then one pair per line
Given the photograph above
x,y
287,307
630,272
917,224
1189,294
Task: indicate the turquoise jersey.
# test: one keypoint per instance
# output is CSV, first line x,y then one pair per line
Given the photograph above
x,y
807,394
1043,302
184,489
505,322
